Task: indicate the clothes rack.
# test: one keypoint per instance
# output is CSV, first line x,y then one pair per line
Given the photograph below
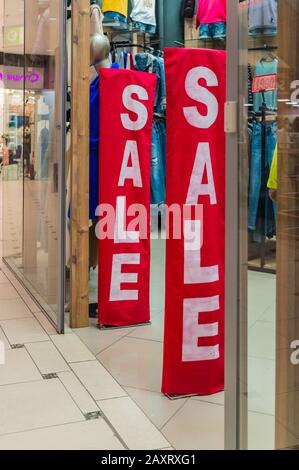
x,y
263,191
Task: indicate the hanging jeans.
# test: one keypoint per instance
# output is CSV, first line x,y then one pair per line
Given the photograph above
x,y
158,162
255,181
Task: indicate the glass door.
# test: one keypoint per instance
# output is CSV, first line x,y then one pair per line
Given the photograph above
x,y
35,117
262,220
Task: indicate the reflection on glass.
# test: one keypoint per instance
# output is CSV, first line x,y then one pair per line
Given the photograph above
x,y
41,203
31,145
269,95
11,127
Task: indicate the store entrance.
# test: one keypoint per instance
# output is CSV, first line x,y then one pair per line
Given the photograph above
x,y
132,355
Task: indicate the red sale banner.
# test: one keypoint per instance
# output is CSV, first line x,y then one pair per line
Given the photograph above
x,y
194,310
126,116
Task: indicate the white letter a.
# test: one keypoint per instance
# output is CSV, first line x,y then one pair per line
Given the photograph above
x,y
131,172
197,188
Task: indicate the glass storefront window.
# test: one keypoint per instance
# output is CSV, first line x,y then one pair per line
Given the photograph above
x,y
265,218
33,175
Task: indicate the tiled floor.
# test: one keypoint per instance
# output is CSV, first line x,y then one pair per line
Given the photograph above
x,y
55,394
93,389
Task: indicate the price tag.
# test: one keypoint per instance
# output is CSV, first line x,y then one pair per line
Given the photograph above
x,y
264,83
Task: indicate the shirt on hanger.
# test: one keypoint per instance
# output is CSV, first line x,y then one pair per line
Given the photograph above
x,y
262,14
211,11
119,6
264,67
144,11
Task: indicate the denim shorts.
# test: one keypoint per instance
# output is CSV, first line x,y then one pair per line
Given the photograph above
x,y
143,27
113,16
212,31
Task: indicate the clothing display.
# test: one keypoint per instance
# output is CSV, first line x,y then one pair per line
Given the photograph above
x,y
115,10
255,181
26,150
272,181
212,31
261,210
44,155
265,67
143,27
158,162
94,139
149,63
211,19
262,17
249,76
145,62
143,15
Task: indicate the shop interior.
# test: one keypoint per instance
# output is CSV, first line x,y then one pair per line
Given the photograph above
x,y
133,356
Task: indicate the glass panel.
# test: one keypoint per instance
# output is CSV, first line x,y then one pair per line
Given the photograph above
x,y
33,128
269,143
287,322
258,75
42,139
12,124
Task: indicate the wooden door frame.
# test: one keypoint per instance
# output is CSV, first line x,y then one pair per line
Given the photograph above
x,y
79,218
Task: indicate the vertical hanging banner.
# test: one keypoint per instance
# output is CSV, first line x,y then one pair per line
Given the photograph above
x,y
126,116
194,308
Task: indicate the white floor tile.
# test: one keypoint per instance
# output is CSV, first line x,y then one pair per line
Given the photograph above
x,y
13,308
132,425
35,405
198,426
153,332
135,363
78,392
72,348
156,406
261,385
88,435
46,357
97,340
95,378
21,331
261,294
261,431
18,367
270,314
216,398
261,340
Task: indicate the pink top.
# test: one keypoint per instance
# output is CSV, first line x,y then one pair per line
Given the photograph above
x,y
211,11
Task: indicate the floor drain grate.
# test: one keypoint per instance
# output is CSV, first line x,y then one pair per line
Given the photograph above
x,y
93,415
50,376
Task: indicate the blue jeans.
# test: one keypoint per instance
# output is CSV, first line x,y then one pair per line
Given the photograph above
x,y
255,181
158,163
212,31
143,27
